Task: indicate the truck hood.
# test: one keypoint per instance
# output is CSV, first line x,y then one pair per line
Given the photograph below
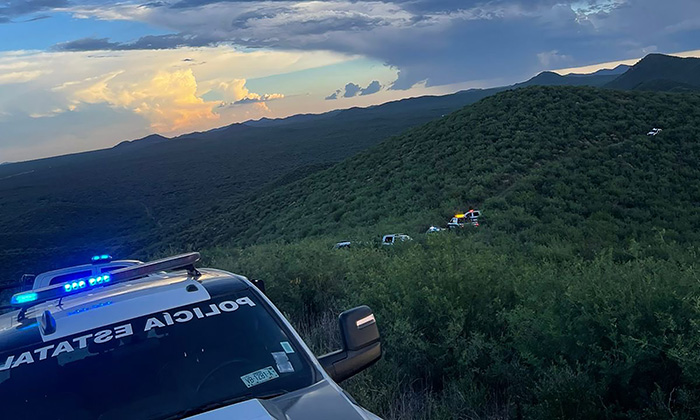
x,y
320,401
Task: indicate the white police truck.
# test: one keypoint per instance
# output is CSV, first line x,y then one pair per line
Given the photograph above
x,y
165,340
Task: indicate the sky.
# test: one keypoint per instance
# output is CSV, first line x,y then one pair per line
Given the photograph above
x,y
80,75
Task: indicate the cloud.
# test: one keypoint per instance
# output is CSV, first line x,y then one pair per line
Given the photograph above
x,y
255,98
235,92
168,100
52,113
334,95
34,19
353,89
434,42
21,76
373,87
86,44
149,42
14,8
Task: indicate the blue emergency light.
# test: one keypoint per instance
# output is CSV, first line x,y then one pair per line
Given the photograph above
x,y
22,298
101,259
58,291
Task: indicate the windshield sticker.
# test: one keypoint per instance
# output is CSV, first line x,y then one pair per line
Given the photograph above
x,y
283,364
259,376
155,322
287,347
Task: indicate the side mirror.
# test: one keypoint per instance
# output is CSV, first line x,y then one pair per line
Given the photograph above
x,y
361,345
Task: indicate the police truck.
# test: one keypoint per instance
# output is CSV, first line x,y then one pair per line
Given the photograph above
x,y
165,340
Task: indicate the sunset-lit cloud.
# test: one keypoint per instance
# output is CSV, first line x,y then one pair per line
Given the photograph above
x,y
235,92
165,87
168,101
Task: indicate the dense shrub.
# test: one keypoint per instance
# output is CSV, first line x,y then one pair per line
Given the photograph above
x,y
472,330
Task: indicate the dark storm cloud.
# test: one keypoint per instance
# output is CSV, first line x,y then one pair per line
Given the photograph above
x,y
86,44
149,42
12,9
432,41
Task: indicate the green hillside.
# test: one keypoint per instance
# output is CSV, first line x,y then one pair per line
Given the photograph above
x,y
570,163
577,298
658,72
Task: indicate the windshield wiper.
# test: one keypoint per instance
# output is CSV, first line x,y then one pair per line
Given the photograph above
x,y
223,403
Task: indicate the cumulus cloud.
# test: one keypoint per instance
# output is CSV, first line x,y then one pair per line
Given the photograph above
x,y
235,92
352,89
168,100
255,98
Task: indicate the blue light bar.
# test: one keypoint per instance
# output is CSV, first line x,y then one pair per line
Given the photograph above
x,y
104,258
58,291
21,298
82,284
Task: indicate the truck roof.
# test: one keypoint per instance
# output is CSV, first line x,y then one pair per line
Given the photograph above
x,y
106,305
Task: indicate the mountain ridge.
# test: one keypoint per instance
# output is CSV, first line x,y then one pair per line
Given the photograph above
x,y
659,72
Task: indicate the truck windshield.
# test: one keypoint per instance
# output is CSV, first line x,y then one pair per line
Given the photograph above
x,y
165,365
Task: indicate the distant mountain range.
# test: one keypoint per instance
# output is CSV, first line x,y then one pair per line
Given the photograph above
x,y
655,72
421,109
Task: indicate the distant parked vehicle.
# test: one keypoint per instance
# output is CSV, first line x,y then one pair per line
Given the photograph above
x,y
435,229
470,218
342,245
654,131
396,237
